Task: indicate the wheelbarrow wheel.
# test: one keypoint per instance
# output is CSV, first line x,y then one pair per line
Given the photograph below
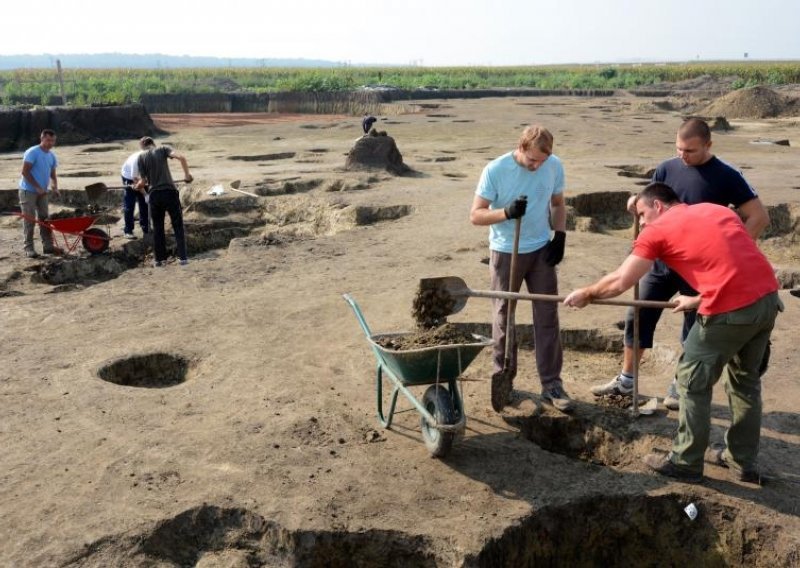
x,y
439,403
95,240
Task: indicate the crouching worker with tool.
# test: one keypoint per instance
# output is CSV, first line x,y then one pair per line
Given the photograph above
x,y
516,196
709,247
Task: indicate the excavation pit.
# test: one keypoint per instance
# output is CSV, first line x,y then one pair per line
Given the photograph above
x,y
615,530
151,370
605,436
641,530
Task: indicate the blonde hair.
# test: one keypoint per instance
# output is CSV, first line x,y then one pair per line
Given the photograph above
x,y
538,136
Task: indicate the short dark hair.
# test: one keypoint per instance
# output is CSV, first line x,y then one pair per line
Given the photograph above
x,y
48,132
660,191
695,128
146,142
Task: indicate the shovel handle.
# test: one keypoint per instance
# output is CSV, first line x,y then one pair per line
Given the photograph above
x,y
551,298
245,192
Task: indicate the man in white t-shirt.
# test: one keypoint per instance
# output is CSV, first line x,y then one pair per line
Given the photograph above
x,y
130,173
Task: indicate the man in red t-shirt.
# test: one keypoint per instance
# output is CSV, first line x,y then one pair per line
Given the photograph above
x,y
710,248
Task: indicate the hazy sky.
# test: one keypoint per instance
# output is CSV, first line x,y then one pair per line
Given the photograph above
x,y
430,32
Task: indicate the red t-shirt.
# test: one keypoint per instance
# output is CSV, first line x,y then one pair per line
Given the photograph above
x,y
709,247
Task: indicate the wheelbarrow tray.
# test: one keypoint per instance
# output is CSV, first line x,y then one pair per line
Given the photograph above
x,y
427,365
72,225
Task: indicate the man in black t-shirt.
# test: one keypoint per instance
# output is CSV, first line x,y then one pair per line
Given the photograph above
x,y
155,177
697,176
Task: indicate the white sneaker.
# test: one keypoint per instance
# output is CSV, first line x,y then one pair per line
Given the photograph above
x,y
615,386
129,235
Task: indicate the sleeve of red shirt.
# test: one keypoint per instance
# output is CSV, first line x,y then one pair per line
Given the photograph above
x,y
647,245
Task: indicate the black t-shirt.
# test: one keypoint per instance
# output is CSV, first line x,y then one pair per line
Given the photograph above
x,y
154,167
712,182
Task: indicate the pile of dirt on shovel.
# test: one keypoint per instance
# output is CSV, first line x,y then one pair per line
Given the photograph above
x,y
447,334
756,102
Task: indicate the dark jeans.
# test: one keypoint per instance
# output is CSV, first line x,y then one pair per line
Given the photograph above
x,y
165,201
129,201
659,284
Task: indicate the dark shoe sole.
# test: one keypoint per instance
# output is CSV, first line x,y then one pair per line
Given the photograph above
x,y
663,466
744,475
567,406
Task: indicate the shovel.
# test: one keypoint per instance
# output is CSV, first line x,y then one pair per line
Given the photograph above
x,y
502,380
459,292
234,186
99,188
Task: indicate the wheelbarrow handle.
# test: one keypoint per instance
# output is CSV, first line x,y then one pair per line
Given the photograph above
x,y
359,316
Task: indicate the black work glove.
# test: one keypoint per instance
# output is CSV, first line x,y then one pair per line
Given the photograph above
x,y
517,208
555,248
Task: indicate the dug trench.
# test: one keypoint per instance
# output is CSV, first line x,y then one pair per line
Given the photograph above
x,y
211,224
612,531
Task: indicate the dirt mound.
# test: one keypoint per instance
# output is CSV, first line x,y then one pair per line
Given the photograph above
x,y
20,129
376,150
756,102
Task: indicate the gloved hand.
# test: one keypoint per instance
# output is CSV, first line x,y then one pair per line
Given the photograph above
x,y
517,208
555,248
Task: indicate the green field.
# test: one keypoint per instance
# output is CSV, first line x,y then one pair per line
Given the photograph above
x,y
119,86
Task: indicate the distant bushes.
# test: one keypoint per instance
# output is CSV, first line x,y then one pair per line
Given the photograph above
x,y
119,86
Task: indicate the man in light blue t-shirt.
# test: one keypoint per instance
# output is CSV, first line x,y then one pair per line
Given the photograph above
x,y
39,165
527,183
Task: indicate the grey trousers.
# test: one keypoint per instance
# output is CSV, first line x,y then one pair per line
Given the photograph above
x,y
35,206
540,278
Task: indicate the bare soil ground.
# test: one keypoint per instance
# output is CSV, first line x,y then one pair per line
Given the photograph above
x,y
223,413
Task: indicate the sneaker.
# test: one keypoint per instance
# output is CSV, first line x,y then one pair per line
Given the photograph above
x,y
750,474
31,254
559,398
672,401
159,263
129,235
183,261
662,465
615,386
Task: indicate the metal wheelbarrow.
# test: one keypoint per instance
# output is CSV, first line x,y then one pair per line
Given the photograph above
x,y
441,408
74,230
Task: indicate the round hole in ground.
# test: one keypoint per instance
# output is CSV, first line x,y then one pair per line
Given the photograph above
x,y
150,370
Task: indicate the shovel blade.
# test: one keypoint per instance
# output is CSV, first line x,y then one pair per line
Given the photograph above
x,y
451,289
95,191
235,184
502,387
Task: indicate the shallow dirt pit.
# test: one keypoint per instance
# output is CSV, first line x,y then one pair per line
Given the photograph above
x,y
151,370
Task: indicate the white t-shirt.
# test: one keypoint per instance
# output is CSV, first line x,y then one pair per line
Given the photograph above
x,y
130,169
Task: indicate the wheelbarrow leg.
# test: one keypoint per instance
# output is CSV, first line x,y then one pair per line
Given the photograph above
x,y
385,421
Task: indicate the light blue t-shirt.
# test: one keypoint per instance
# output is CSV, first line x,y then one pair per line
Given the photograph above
x,y
503,180
43,163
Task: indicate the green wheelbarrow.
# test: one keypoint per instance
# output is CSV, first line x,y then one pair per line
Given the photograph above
x,y
441,408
